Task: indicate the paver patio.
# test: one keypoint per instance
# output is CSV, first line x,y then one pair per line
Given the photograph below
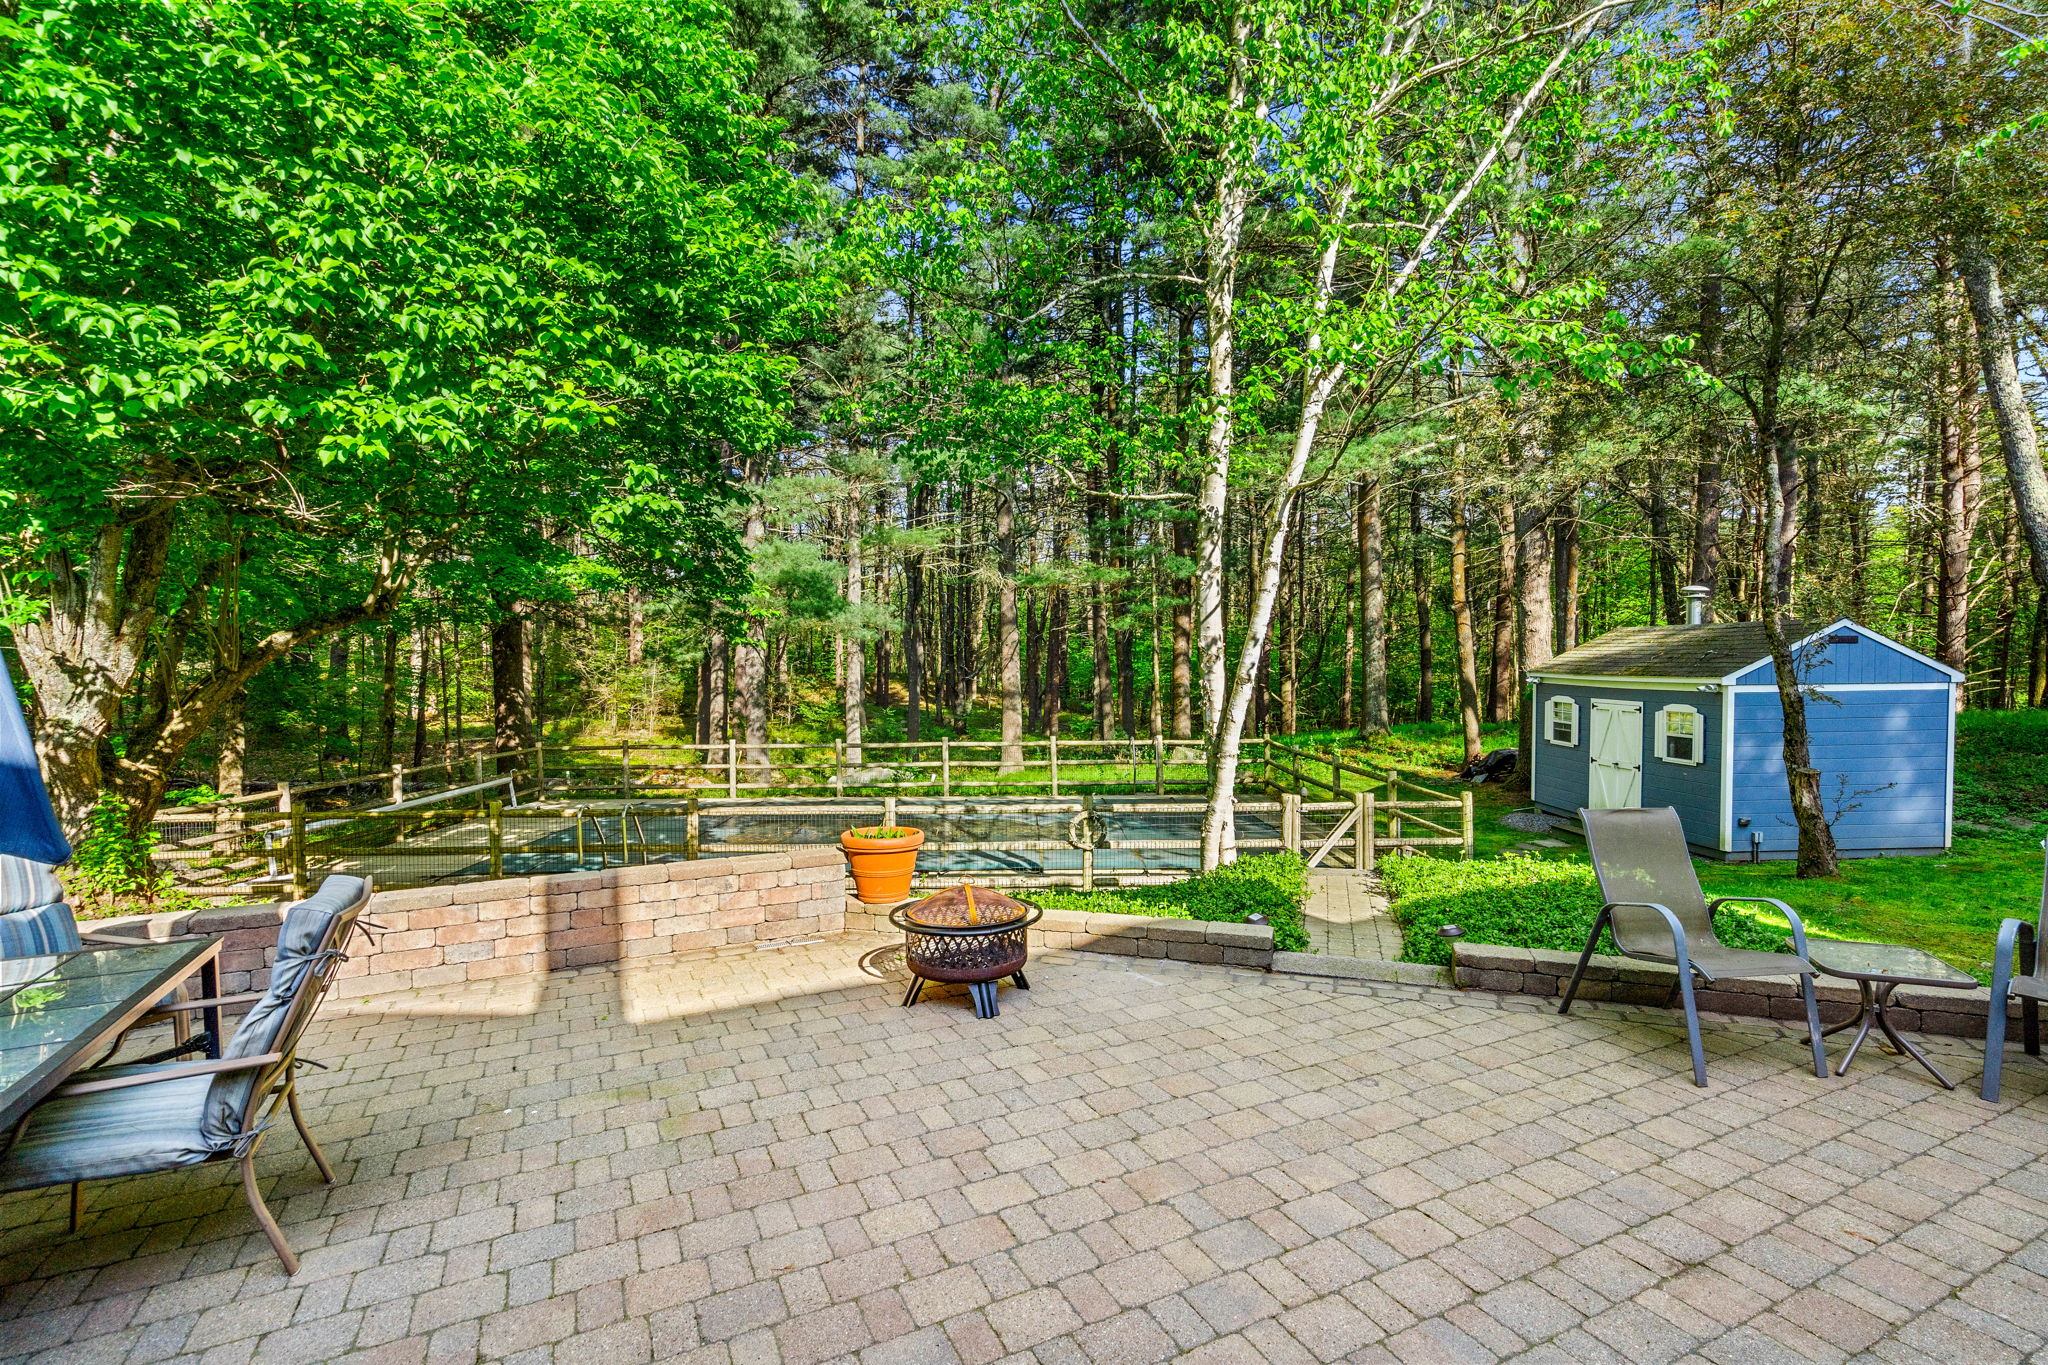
x,y
762,1158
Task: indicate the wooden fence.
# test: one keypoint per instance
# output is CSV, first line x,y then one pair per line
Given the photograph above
x,y
1333,811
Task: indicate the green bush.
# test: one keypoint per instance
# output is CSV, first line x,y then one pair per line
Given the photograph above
x,y
1517,901
1274,885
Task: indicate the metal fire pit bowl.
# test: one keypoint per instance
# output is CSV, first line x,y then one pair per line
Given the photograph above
x,y
971,936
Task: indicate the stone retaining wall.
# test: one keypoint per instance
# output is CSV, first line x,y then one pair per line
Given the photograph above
x,y
1237,945
471,931
1534,971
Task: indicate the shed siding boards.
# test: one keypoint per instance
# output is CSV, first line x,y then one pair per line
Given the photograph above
x,y
1884,752
1559,784
1881,718
1872,659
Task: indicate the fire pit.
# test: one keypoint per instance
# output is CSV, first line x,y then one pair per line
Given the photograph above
x,y
972,937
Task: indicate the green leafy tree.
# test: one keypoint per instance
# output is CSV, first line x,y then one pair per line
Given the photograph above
x,y
303,298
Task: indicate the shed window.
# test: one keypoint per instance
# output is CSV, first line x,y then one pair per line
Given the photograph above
x,y
1564,721
1678,734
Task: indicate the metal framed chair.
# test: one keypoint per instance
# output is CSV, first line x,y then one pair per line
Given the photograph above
x,y
2017,969
1657,912
138,1119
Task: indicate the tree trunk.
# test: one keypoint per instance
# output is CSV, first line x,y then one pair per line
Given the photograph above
x,y
1223,234
387,698
1219,824
1009,654
1374,716
1707,475
1425,641
1962,482
1183,638
1568,582
418,663
854,684
336,745
913,624
511,697
230,769
2018,440
1500,686
750,668
1817,857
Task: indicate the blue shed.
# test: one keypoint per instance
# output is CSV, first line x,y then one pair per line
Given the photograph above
x,y
1688,716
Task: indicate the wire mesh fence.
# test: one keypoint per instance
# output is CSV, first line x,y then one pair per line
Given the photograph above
x,y
1074,812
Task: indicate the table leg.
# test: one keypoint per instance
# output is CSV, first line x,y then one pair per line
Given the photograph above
x,y
1866,1015
1899,1044
209,982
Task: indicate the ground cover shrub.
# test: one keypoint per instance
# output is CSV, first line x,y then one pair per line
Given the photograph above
x,y
1274,885
1518,901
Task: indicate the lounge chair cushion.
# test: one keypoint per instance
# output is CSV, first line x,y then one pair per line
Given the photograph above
x,y
25,884
34,932
116,1132
301,944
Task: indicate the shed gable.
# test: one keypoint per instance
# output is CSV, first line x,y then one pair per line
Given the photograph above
x,y
1850,655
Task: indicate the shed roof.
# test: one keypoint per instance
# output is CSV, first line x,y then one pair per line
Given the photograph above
x,y
1707,651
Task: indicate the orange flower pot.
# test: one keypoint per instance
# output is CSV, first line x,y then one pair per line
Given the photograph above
x,y
882,867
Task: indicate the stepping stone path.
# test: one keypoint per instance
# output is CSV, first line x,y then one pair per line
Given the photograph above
x,y
1346,916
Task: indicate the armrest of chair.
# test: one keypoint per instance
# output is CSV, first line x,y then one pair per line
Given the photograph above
x,y
1677,929
1791,915
2015,949
209,1003
180,1072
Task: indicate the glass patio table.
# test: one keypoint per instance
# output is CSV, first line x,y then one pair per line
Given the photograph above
x,y
1878,969
59,1012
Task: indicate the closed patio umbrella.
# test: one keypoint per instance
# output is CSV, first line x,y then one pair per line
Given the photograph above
x,y
28,825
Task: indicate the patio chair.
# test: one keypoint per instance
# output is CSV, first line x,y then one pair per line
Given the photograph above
x,y
138,1119
1654,905
34,921
2017,969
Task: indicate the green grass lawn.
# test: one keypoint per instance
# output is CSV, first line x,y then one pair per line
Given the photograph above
x,y
1950,905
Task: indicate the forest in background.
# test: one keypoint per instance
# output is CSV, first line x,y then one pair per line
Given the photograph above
x,y
1199,370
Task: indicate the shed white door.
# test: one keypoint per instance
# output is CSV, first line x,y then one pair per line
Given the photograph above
x,y
1614,745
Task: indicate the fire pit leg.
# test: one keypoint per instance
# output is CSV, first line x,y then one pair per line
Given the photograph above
x,y
916,989
984,993
1022,984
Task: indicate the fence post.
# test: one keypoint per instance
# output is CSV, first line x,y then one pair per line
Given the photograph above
x,y
732,768
625,770
1290,821
693,833
1158,764
1052,749
284,798
295,857
1465,820
1088,849
477,759
888,812
496,815
1393,807
945,765
1361,831
397,782
540,767
1336,775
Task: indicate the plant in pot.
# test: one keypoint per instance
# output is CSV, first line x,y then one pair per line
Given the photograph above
x,y
882,858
